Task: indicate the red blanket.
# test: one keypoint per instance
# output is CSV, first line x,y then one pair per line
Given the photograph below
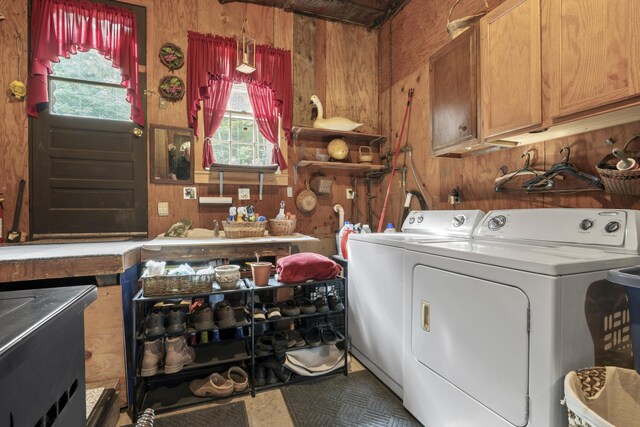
x,y
304,266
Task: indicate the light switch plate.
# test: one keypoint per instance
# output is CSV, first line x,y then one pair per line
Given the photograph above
x,y
163,209
349,193
244,194
289,191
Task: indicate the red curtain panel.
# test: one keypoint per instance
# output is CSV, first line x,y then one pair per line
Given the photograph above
x,y
60,28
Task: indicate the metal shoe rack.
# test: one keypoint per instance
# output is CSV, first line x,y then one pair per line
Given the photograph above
x,y
167,392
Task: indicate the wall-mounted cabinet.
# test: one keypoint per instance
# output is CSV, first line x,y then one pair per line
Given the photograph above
x,y
511,69
594,54
453,95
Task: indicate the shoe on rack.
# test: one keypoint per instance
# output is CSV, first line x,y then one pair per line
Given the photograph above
x,y
238,377
289,308
294,338
271,376
176,321
273,312
224,315
154,324
214,385
152,357
306,307
273,363
313,337
269,342
202,318
335,303
322,306
330,336
261,376
178,354
259,313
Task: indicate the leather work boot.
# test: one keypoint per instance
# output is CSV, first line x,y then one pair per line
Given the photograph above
x,y
176,321
178,355
151,358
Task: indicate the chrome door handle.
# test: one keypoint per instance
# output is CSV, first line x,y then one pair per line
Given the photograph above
x,y
426,322
137,132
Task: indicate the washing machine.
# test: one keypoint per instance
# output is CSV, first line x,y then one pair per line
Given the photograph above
x,y
493,324
376,287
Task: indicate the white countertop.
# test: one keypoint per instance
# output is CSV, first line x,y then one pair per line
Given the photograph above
x,y
160,242
26,252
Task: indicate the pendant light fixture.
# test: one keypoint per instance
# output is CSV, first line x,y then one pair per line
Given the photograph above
x,y
246,48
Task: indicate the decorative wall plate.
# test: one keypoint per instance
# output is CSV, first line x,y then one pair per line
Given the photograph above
x,y
171,88
171,56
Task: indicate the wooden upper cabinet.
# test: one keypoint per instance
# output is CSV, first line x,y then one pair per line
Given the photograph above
x,y
593,53
453,84
511,94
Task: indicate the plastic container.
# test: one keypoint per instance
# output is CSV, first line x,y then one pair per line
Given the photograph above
x,y
343,235
390,228
366,229
630,278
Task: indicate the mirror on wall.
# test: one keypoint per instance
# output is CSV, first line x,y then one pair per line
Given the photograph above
x,y
171,154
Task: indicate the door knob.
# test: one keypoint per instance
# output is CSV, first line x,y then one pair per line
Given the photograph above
x,y
137,132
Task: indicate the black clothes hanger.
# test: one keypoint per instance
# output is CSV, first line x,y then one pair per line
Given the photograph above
x,y
564,169
526,169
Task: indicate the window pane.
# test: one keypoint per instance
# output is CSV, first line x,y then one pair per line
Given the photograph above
x,y
222,134
88,100
239,99
242,154
221,152
87,66
242,130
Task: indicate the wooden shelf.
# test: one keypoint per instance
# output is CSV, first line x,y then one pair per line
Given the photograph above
x,y
339,165
326,135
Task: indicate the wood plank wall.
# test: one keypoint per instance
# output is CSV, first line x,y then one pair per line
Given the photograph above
x,y
342,60
405,45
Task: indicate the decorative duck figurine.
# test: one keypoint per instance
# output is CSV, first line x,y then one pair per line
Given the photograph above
x,y
331,123
281,213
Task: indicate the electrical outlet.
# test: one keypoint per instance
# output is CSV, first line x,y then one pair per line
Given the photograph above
x,y
163,209
289,191
349,193
162,103
244,194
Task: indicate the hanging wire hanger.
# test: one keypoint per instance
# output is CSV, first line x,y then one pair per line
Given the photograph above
x,y
526,169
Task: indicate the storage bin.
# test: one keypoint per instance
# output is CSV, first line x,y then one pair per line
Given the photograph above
x,y
630,278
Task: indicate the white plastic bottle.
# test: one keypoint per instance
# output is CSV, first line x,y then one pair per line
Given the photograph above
x,y
390,228
346,229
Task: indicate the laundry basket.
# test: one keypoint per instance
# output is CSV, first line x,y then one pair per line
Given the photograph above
x,y
602,397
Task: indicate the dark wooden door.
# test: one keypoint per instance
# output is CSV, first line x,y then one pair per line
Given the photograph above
x,y
88,174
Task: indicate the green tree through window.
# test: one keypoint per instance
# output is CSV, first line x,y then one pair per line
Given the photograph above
x,y
87,85
238,140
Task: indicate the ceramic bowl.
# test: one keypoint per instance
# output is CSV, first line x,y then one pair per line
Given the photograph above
x,y
227,276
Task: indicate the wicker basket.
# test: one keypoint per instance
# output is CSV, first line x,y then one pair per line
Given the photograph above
x,y
282,227
238,230
620,181
457,26
154,286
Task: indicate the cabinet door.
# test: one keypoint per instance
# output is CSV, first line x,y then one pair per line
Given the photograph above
x,y
594,51
510,69
453,81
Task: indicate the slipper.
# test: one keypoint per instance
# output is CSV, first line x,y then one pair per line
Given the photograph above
x,y
322,306
306,307
273,312
335,303
313,337
290,309
238,377
214,385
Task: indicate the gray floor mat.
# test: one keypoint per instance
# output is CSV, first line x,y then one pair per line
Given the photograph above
x,y
359,399
228,414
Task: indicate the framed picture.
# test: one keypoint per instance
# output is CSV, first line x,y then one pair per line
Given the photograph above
x,y
189,192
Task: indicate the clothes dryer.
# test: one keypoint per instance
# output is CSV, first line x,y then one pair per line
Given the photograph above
x,y
493,324
376,287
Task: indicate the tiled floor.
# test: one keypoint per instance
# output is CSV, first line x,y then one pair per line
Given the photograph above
x,y
266,409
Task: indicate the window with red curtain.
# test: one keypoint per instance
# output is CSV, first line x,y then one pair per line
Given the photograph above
x,y
211,70
60,28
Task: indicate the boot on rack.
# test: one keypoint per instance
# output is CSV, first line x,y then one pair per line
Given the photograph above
x,y
151,358
178,354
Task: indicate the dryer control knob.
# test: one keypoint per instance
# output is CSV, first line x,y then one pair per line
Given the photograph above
x,y
458,220
497,222
612,227
412,220
420,219
586,224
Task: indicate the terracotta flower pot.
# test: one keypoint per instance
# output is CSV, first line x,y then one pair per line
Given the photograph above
x,y
261,272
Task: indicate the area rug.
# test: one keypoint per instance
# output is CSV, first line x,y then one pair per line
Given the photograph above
x,y
228,414
359,399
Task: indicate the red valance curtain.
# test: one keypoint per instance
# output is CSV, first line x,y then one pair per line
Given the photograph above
x,y
213,58
60,28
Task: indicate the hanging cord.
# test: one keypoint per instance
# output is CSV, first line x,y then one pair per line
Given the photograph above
x,y
415,177
395,161
407,204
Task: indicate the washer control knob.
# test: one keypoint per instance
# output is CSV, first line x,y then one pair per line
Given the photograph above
x,y
497,222
458,220
586,224
420,219
412,220
612,227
